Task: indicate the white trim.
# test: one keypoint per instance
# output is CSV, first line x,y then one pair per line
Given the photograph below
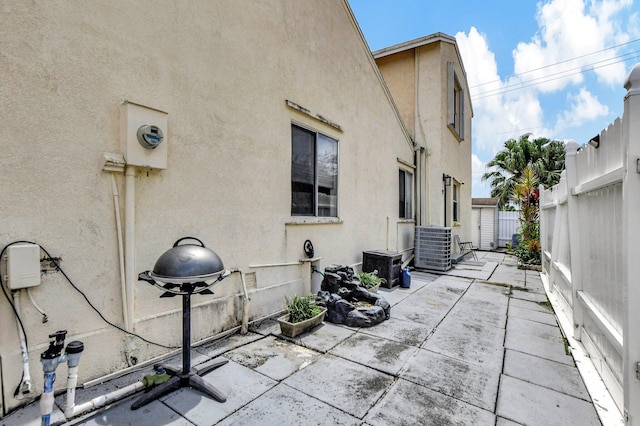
x,y
313,220
406,163
607,179
308,113
613,336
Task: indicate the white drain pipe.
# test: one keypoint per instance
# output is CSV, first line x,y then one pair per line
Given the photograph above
x,y
115,163
244,329
25,384
72,356
123,280
130,239
72,410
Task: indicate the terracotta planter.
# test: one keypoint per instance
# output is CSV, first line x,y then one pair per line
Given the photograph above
x,y
290,329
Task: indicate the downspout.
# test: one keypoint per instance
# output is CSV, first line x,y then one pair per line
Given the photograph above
x,y
416,187
388,231
417,159
421,140
129,226
445,202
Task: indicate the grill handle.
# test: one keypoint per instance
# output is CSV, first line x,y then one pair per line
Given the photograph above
x,y
144,276
188,238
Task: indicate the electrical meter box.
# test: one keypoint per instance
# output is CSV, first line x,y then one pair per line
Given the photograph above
x,y
23,266
143,132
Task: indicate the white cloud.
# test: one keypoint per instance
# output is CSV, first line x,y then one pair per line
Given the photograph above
x,y
555,60
517,112
584,107
478,168
564,47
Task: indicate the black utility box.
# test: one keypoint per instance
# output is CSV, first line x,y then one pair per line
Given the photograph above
x,y
387,263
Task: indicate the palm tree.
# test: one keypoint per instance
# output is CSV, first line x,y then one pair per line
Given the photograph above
x,y
545,156
526,195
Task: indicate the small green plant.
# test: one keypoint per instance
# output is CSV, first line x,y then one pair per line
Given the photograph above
x,y
302,308
369,280
528,252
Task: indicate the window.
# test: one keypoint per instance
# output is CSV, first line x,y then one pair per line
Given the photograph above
x,y
314,173
456,102
406,194
456,191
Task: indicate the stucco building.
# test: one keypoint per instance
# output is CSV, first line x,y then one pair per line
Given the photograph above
x,y
277,128
428,82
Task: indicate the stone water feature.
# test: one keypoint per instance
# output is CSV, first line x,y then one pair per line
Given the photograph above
x,y
347,302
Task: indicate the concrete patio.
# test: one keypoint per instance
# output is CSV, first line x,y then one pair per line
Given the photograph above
x,y
479,345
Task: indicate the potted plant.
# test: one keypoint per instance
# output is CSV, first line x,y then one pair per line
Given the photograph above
x,y
370,281
302,314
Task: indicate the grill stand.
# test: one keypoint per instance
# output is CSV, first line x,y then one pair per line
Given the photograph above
x,y
187,377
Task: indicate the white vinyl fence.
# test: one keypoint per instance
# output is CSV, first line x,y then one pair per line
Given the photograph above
x,y
590,235
508,223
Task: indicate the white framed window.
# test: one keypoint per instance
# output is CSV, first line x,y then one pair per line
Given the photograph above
x,y
455,100
406,194
314,173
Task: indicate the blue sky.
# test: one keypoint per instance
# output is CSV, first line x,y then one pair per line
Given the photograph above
x,y
553,68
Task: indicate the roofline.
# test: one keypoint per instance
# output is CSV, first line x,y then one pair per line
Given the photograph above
x,y
422,41
412,44
485,202
373,64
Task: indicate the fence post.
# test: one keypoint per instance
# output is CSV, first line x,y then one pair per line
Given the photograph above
x,y
544,236
631,237
574,237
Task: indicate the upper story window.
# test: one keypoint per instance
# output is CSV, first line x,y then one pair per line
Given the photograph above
x,y
406,195
455,102
314,173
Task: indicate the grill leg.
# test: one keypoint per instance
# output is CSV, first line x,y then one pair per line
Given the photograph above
x,y
187,376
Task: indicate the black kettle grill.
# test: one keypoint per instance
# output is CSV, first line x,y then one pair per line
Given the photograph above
x,y
185,269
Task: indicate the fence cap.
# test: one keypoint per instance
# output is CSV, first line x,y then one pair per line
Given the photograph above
x,y
571,147
632,83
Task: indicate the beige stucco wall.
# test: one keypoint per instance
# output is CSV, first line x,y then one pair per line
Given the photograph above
x,y
222,71
417,78
398,72
450,156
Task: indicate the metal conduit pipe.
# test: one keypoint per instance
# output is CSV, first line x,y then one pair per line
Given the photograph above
x,y
123,280
130,238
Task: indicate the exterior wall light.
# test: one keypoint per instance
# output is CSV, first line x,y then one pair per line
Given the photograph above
x,y
595,141
446,179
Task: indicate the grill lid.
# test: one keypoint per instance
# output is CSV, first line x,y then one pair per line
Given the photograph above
x,y
187,263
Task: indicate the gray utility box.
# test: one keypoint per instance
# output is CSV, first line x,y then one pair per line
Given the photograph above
x,y
432,248
387,263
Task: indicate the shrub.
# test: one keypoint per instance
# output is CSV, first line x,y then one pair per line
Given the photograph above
x,y
302,308
369,280
528,252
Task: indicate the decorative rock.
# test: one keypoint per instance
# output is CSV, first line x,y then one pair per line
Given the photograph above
x,y
365,317
331,282
339,288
